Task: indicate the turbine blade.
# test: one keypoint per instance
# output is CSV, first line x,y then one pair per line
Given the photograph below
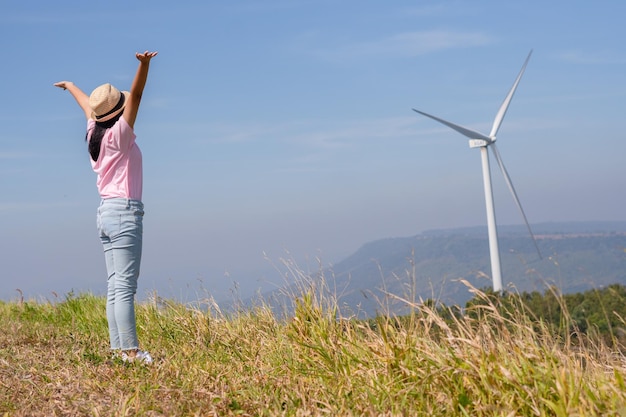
x,y
472,134
512,189
505,104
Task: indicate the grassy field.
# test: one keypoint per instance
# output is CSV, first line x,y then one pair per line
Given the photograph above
x,y
54,361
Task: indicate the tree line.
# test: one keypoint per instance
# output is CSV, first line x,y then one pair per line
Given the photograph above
x,y
596,313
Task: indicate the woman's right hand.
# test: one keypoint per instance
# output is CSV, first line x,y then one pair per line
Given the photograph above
x,y
146,56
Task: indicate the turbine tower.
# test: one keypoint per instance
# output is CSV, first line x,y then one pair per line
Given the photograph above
x,y
482,141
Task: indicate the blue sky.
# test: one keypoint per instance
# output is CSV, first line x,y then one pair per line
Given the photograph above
x,y
283,129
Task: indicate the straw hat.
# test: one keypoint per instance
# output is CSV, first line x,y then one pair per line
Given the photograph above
x,y
107,102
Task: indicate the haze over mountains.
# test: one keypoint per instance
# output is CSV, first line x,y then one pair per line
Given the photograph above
x,y
432,265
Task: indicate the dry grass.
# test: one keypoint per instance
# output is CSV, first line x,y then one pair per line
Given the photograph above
x,y
54,361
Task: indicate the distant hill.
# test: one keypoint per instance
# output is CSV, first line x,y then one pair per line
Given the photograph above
x,y
576,257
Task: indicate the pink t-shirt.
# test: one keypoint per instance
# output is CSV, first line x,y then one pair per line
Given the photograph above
x,y
119,166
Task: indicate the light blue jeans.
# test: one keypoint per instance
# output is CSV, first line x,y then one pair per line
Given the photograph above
x,y
120,223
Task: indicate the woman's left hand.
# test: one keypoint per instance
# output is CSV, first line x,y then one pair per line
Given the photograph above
x,y
63,84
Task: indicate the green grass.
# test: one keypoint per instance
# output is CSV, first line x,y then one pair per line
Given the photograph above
x,y
54,361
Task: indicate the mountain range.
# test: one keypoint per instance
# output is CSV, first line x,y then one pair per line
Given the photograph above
x,y
444,265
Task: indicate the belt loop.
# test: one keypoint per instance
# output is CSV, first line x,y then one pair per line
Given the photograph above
x,y
128,203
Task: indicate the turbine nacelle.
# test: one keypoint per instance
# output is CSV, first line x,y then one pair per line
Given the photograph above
x,y
480,143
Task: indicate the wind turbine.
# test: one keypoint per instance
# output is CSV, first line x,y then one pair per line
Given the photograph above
x,y
482,141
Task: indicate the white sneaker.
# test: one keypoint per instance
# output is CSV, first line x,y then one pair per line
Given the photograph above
x,y
141,356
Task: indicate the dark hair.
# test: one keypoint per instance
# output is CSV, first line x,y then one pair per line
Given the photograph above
x,y
97,133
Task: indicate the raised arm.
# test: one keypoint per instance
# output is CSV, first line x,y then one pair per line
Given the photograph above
x,y
81,98
136,89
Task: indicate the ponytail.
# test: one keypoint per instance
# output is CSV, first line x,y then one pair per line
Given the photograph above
x,y
97,133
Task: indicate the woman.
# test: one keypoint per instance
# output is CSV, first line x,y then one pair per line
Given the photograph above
x,y
116,159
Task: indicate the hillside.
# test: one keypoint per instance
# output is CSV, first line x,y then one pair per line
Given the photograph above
x,y
575,257
55,361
